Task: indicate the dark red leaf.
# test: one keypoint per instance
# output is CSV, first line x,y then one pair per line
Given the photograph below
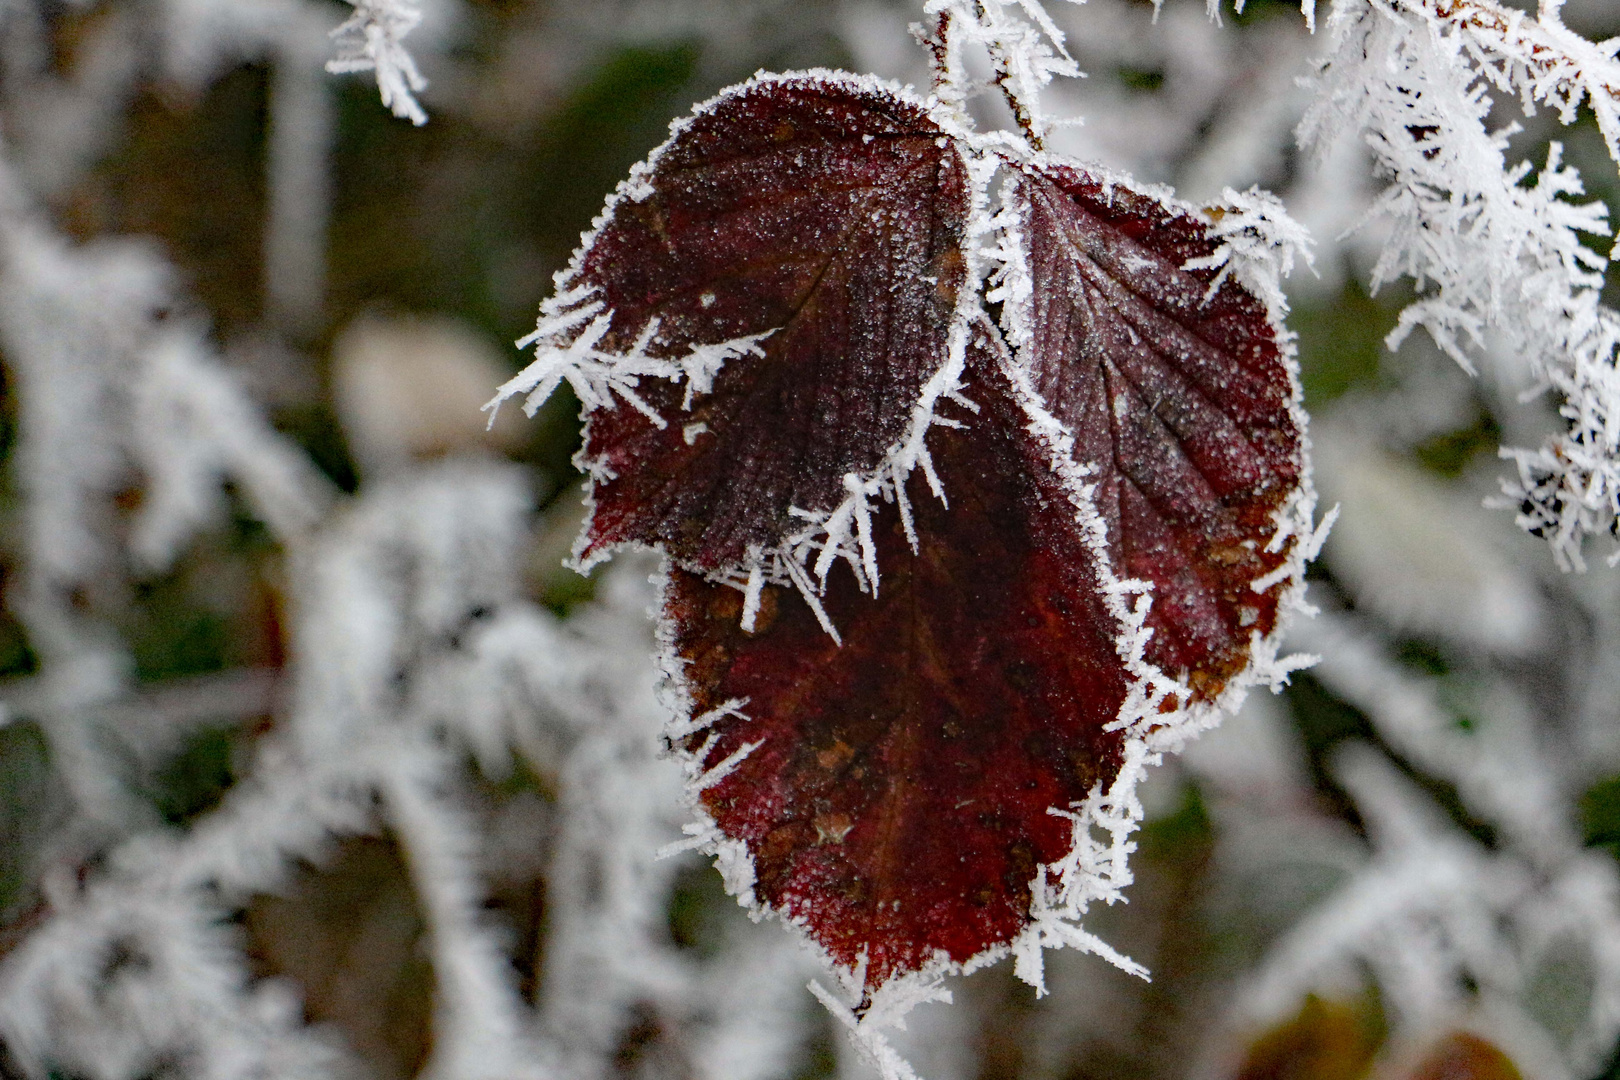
x,y
897,803
826,211
894,793
1178,399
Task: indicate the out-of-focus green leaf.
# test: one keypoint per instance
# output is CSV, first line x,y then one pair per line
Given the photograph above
x,y
1341,343
30,803
1600,815
1450,452
611,121
197,778
16,656
697,903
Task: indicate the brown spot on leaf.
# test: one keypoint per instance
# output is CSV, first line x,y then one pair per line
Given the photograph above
x,y
832,828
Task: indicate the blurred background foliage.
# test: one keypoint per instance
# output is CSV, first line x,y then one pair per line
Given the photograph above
x,y
536,112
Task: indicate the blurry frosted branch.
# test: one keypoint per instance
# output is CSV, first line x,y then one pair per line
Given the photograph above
x,y
113,394
133,980
191,426
180,703
389,597
386,582
1499,771
610,961
64,122
300,138
372,39
1501,267
1455,935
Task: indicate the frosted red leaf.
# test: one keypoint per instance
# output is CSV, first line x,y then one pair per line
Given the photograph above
x,y
827,213
1179,400
893,785
896,805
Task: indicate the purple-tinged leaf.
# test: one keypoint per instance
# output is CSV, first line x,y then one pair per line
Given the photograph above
x,y
822,212
896,805
1177,396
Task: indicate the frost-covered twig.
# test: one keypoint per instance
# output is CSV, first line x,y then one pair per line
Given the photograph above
x,y
1501,266
1538,59
372,39
1025,48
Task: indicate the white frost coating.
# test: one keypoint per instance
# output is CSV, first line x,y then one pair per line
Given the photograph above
x,y
1538,59
1258,243
373,39
596,375
752,591
1501,267
731,707
723,768
1096,868
866,1032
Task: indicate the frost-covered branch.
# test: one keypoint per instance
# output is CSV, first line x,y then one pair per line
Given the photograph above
x,y
1538,59
1501,265
373,39
1025,48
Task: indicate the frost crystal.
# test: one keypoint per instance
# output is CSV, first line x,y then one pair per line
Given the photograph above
x,y
372,39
